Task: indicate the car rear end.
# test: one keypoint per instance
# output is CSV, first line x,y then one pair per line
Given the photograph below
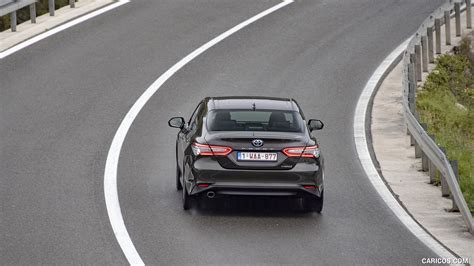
x,y
256,152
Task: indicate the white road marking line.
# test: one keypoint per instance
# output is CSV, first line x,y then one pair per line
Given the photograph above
x,y
366,161
62,27
110,175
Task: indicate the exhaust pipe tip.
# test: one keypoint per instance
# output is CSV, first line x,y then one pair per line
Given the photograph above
x,y
211,194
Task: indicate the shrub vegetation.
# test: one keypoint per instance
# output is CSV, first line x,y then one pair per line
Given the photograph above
x,y
446,104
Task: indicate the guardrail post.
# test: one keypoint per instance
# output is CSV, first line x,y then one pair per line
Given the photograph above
x,y
411,87
418,152
72,3
444,186
417,117
454,165
432,167
51,7
424,52
411,71
424,159
457,16
438,35
13,20
444,183
429,34
418,62
468,14
447,27
411,78
33,13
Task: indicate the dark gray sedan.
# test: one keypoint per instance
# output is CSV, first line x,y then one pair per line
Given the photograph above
x,y
258,146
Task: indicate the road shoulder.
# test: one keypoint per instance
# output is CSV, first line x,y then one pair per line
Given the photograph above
x,y
401,171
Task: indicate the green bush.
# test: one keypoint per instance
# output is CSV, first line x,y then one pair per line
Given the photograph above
x,y
446,104
23,14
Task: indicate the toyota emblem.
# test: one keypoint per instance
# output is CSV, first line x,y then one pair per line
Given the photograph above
x,y
257,142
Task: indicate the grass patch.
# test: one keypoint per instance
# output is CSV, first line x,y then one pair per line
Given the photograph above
x,y
446,105
23,14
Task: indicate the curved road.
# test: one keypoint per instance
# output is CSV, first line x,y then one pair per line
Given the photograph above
x,y
63,98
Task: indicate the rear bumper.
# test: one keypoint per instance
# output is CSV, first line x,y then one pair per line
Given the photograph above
x,y
222,181
258,190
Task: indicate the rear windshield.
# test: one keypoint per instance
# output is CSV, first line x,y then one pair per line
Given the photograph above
x,y
248,120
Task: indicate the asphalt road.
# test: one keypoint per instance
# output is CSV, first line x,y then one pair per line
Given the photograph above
x,y
63,98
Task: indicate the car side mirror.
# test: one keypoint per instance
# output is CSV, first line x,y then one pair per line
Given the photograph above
x,y
177,122
315,124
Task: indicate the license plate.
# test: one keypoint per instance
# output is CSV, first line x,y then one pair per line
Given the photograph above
x,y
257,156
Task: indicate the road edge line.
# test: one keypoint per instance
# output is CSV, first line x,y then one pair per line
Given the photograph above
x,y
111,164
360,139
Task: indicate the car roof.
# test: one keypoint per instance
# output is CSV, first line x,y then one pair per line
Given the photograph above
x,y
247,103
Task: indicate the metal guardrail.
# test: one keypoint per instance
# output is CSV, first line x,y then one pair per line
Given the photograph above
x,y
12,6
419,53
6,2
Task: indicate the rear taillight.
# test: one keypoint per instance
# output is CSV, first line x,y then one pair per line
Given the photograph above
x,y
209,150
308,152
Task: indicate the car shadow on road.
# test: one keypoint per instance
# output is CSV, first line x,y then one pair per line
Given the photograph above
x,y
252,206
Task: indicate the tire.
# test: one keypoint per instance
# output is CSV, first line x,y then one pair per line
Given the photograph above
x,y
313,204
178,177
187,200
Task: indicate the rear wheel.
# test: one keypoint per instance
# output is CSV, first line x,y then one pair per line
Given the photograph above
x,y
187,199
313,204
